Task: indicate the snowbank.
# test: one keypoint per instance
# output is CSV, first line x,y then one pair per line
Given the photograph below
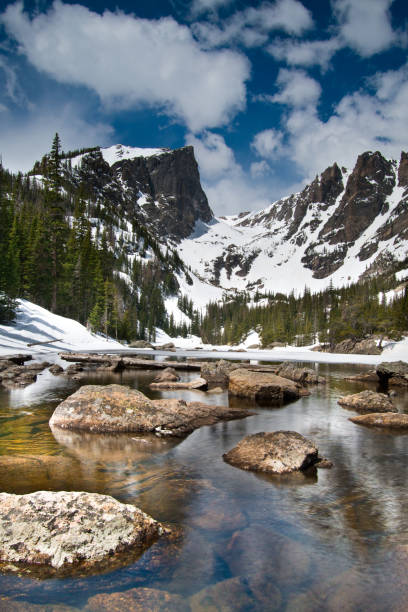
x,y
36,324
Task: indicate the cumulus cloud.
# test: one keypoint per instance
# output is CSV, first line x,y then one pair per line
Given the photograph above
x,y
204,6
305,53
365,25
361,121
25,140
251,27
297,89
228,187
130,62
258,169
267,143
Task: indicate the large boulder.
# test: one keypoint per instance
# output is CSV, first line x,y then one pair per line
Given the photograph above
x,y
217,373
67,528
277,452
117,408
367,401
263,386
393,420
303,376
167,375
393,373
367,346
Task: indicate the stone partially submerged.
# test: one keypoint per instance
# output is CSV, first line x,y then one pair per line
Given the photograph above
x,y
69,528
391,420
393,373
277,452
117,408
197,383
263,386
367,401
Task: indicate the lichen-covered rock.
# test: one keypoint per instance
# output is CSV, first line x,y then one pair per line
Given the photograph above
x,y
263,386
393,373
137,600
65,528
368,401
393,420
117,408
277,452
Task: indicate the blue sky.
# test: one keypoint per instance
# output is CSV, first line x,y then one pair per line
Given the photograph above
x,y
269,93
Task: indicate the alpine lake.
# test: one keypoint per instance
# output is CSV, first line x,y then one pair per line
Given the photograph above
x,y
333,539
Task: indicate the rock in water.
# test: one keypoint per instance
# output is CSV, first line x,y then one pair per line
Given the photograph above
x,y
137,600
64,528
167,375
263,386
393,420
116,408
368,401
393,373
277,452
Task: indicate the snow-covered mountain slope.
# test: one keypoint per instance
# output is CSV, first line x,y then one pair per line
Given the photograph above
x,y
344,225
35,324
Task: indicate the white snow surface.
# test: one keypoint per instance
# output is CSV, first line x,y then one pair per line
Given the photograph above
x,y
36,324
119,152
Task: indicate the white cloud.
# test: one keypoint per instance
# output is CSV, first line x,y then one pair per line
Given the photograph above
x,y
297,89
305,53
205,6
131,62
267,143
252,26
229,189
12,88
365,25
360,122
258,169
24,141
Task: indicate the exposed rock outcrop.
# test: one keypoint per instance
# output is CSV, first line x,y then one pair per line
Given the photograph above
x,y
392,420
357,347
67,528
217,373
393,373
116,408
303,376
277,452
368,401
263,386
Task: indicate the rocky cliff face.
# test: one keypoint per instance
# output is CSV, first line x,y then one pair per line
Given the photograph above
x,y
162,189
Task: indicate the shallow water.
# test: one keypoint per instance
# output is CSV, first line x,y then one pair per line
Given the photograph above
x,y
327,540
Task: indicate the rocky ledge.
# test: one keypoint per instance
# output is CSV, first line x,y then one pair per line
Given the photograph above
x,y
393,373
264,386
278,452
392,420
17,375
368,401
116,408
68,528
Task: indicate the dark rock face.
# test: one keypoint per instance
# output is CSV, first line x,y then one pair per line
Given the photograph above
x,y
174,199
278,452
393,373
368,401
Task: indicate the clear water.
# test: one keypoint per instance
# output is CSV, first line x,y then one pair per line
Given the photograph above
x,y
330,540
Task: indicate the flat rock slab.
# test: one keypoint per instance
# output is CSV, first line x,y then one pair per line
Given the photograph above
x,y
368,401
66,528
277,452
197,383
392,420
117,408
263,386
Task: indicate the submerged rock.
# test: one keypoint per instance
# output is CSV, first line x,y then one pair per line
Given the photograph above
x,y
137,600
256,593
66,528
278,452
393,420
370,376
263,386
116,408
368,401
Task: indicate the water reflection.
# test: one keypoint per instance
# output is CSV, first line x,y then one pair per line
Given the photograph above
x,y
326,540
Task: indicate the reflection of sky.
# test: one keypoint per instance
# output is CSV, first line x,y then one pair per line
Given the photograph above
x,y
46,388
